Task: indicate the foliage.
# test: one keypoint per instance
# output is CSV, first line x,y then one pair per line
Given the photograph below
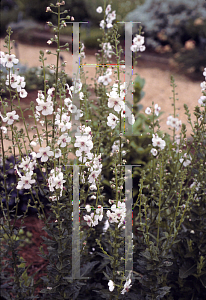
x,y
171,24
7,16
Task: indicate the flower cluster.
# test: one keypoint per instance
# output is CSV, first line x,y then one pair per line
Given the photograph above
x,y
45,106
84,143
115,147
44,153
110,16
8,60
118,213
62,120
105,79
27,165
71,108
92,220
56,180
10,117
107,47
157,142
127,285
174,122
95,167
137,45
116,101
186,161
15,81
156,110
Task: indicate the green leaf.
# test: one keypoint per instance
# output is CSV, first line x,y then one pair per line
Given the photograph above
x,y
187,269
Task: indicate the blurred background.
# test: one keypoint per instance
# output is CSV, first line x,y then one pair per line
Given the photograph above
x,y
174,29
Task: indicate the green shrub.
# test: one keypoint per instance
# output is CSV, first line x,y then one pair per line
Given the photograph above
x,y
7,16
37,9
91,42
173,23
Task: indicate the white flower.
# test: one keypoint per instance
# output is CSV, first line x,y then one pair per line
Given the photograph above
x,y
157,109
203,86
81,95
63,140
112,120
99,9
67,101
45,107
72,108
93,176
115,146
26,181
102,24
186,162
27,164
2,58
131,119
10,60
82,53
108,9
77,86
109,25
65,123
127,286
106,226
33,143
138,42
56,180
154,151
44,153
84,142
88,219
93,187
157,141
111,17
57,153
23,93
79,114
148,111
4,129
104,79
111,285
204,73
115,101
174,122
20,83
88,208
10,117
13,80
107,49
200,101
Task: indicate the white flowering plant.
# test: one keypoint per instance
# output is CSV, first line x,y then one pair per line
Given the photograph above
x,y
125,262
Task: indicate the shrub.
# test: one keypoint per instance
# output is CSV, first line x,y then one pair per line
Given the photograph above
x,y
7,16
173,23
